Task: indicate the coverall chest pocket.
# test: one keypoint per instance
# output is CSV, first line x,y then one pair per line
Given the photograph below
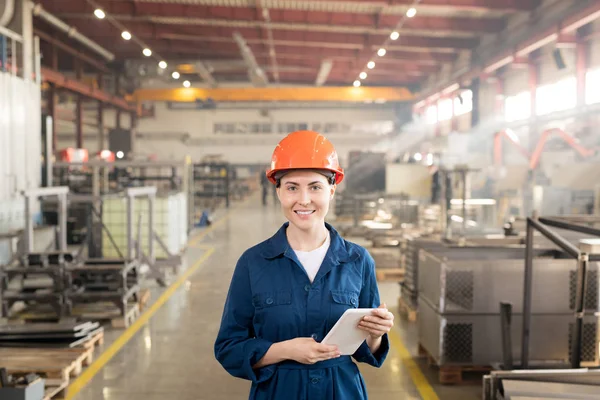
x,y
341,300
271,302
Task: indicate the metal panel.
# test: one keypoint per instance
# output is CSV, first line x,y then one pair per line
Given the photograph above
x,y
476,339
476,280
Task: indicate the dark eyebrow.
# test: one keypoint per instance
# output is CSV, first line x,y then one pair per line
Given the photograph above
x,y
297,184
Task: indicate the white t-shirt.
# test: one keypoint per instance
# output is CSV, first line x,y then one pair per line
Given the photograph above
x,y
312,260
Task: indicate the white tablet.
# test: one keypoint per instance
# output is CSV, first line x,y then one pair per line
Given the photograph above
x,y
345,334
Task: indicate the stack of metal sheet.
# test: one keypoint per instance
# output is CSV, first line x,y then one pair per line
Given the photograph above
x,y
64,334
460,290
542,384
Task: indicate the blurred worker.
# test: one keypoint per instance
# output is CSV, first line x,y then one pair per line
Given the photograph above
x,y
287,292
265,184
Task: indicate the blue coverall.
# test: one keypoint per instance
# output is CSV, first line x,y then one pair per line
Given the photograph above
x,y
271,300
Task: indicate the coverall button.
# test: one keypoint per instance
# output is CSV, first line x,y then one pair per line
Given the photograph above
x,y
307,288
269,301
315,380
353,302
314,336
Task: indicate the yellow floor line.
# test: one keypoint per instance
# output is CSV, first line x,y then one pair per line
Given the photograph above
x,y
423,386
114,348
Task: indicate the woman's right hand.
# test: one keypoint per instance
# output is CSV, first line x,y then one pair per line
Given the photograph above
x,y
309,351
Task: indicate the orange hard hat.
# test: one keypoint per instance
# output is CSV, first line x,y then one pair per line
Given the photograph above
x,y
305,150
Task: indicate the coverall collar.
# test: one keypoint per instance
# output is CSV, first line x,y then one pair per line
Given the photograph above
x,y
278,245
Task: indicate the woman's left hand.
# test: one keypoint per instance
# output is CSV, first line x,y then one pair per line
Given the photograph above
x,y
378,323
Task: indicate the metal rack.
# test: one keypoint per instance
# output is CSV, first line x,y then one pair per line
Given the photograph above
x,y
81,279
589,250
211,183
102,178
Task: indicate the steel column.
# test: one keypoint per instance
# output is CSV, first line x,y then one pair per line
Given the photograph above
x,y
79,109
100,116
28,237
527,295
581,49
117,92
533,84
52,100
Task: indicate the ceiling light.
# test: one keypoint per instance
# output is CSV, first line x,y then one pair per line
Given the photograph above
x,y
394,35
126,35
162,64
147,52
411,12
381,52
371,65
363,75
186,84
99,13
356,83
120,154
175,75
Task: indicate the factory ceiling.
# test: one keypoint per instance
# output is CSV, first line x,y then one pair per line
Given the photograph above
x,y
313,42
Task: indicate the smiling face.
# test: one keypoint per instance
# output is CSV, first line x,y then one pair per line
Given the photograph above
x,y
305,197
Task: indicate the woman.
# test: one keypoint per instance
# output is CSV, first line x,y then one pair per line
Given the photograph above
x,y
287,292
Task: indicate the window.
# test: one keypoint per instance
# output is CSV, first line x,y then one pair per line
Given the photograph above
x,y
558,96
592,83
445,110
463,103
517,107
431,116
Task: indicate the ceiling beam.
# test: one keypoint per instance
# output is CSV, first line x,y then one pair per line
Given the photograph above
x,y
308,39
425,25
98,65
361,7
73,85
320,94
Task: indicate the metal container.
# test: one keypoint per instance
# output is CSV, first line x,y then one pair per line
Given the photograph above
x,y
477,279
413,246
477,340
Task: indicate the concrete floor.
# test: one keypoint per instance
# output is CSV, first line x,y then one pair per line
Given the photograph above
x,y
171,357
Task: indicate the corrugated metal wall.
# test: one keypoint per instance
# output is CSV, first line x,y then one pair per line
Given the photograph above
x,y
20,148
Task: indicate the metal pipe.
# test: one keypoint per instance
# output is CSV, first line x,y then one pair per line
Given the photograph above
x,y
505,323
571,227
463,176
3,54
71,31
62,220
129,228
8,13
527,295
561,242
582,263
151,199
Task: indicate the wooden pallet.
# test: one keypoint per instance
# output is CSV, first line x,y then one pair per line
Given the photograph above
x,y
406,309
390,274
452,374
96,340
107,312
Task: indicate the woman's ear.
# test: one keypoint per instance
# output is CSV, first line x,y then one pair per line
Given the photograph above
x,y
332,189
